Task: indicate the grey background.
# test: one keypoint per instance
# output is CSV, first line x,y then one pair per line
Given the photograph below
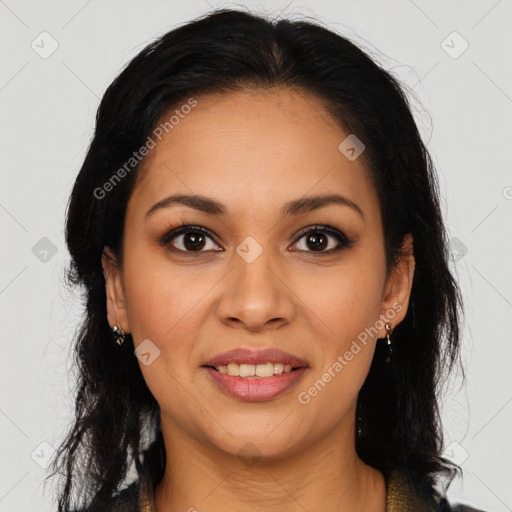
x,y
47,119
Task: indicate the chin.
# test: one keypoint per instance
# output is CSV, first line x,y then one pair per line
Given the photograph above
x,y
265,444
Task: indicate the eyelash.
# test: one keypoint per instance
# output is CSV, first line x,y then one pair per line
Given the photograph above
x,y
172,232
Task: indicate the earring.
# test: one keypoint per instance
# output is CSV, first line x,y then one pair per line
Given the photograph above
x,y
389,330
118,334
359,420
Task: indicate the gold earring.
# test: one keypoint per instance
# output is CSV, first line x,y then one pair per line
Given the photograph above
x,y
389,330
118,334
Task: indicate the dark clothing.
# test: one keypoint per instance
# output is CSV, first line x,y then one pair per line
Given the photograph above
x,y
402,496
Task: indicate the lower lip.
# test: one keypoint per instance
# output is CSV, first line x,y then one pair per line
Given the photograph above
x,y
256,389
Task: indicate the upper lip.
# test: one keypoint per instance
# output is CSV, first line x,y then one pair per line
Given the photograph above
x,y
246,356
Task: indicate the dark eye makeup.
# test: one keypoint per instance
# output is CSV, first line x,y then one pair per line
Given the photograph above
x,y
315,232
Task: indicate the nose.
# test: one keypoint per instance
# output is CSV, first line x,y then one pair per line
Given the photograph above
x,y
255,295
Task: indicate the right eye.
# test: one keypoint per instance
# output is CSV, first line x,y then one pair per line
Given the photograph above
x,y
192,239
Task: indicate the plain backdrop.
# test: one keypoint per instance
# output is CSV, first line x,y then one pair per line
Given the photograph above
x,y
57,58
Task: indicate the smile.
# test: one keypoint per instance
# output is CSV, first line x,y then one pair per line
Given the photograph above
x,y
255,370
251,387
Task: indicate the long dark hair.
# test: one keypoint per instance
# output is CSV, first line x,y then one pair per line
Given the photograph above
x,y
228,50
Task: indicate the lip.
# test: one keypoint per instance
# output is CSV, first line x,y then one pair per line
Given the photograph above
x,y
246,356
255,389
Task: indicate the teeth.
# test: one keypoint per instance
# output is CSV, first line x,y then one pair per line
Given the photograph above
x,y
254,370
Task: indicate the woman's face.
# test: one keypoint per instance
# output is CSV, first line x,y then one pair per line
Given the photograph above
x,y
256,279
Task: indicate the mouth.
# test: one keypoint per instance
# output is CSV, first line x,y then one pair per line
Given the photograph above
x,y
254,371
255,388
255,376
262,363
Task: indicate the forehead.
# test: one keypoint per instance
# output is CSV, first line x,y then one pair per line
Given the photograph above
x,y
252,149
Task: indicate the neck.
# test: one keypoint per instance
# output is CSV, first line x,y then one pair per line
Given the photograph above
x,y
327,476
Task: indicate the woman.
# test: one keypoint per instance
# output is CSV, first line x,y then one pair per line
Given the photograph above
x,y
257,225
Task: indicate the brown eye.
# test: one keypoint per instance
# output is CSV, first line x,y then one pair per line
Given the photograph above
x,y
323,239
317,240
189,239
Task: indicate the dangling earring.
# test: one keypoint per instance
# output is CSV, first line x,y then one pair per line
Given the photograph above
x,y
389,330
118,334
359,420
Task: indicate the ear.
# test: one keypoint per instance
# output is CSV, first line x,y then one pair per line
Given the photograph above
x,y
116,305
398,287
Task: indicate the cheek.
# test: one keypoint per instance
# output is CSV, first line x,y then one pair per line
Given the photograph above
x,y
345,301
344,306
164,307
160,299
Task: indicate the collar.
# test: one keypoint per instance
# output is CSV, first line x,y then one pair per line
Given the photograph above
x,y
402,495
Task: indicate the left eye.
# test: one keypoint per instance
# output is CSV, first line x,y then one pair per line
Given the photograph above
x,y
317,238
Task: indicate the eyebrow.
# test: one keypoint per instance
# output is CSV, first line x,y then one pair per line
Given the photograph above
x,y
295,207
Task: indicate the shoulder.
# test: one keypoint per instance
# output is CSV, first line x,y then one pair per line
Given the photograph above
x,y
405,491
461,507
445,506
126,500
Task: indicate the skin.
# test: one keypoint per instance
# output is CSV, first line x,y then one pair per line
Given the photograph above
x,y
253,151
